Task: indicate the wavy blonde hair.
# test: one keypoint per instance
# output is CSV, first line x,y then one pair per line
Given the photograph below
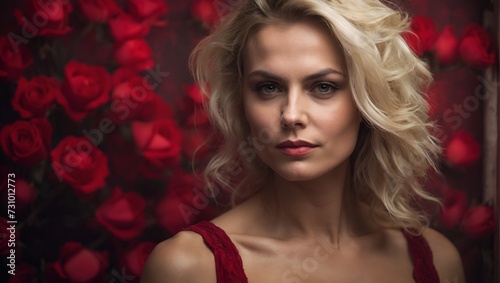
x,y
395,148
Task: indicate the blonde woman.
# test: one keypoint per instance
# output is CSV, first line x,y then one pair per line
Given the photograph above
x,y
325,141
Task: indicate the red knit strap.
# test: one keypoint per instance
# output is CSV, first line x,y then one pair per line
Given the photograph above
x,y
421,256
228,263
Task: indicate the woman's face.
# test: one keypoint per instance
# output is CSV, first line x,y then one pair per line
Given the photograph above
x,y
297,100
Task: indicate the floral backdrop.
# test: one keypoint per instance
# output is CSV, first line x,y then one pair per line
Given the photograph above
x,y
103,134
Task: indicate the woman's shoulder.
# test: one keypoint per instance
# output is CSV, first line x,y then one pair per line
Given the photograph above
x,y
445,256
182,258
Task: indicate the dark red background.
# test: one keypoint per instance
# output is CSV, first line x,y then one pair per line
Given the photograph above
x,y
172,45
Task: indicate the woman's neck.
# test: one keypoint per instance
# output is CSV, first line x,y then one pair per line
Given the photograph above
x,y
324,207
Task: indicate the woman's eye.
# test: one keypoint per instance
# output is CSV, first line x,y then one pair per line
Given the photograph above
x,y
267,88
326,87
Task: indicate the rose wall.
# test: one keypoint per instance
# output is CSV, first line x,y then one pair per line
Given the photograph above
x,y
100,121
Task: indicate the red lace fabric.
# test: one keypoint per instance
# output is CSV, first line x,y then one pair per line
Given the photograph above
x,y
229,266
228,263
421,256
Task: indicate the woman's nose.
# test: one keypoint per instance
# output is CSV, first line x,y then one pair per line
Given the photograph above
x,y
293,112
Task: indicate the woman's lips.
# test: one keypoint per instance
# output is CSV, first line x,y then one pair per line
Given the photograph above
x,y
296,148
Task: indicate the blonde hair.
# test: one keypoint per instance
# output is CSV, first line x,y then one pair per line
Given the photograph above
x,y
395,148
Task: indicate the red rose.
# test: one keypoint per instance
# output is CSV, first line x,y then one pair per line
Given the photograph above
x,y
81,164
205,11
134,259
462,150
78,264
14,58
135,54
123,27
24,273
475,47
34,98
147,10
132,97
98,10
186,202
422,36
454,206
45,18
194,92
446,47
478,222
122,214
27,142
158,141
84,89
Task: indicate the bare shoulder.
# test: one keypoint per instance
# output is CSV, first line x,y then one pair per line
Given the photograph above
x,y
182,258
446,257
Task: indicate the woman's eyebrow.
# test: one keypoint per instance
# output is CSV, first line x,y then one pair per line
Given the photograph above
x,y
316,75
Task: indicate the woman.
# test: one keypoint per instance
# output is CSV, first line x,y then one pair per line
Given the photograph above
x,y
325,141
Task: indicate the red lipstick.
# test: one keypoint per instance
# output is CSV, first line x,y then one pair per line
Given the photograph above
x,y
296,148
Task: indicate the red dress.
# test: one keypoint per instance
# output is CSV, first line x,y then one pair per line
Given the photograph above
x,y
229,266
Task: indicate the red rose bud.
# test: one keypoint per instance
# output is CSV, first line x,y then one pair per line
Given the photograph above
x,y
81,164
158,141
455,204
422,36
478,222
134,259
194,92
45,18
135,54
173,213
77,264
462,150
132,97
84,89
205,11
475,47
147,10
122,214
25,142
123,27
35,97
186,202
14,57
446,47
98,10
